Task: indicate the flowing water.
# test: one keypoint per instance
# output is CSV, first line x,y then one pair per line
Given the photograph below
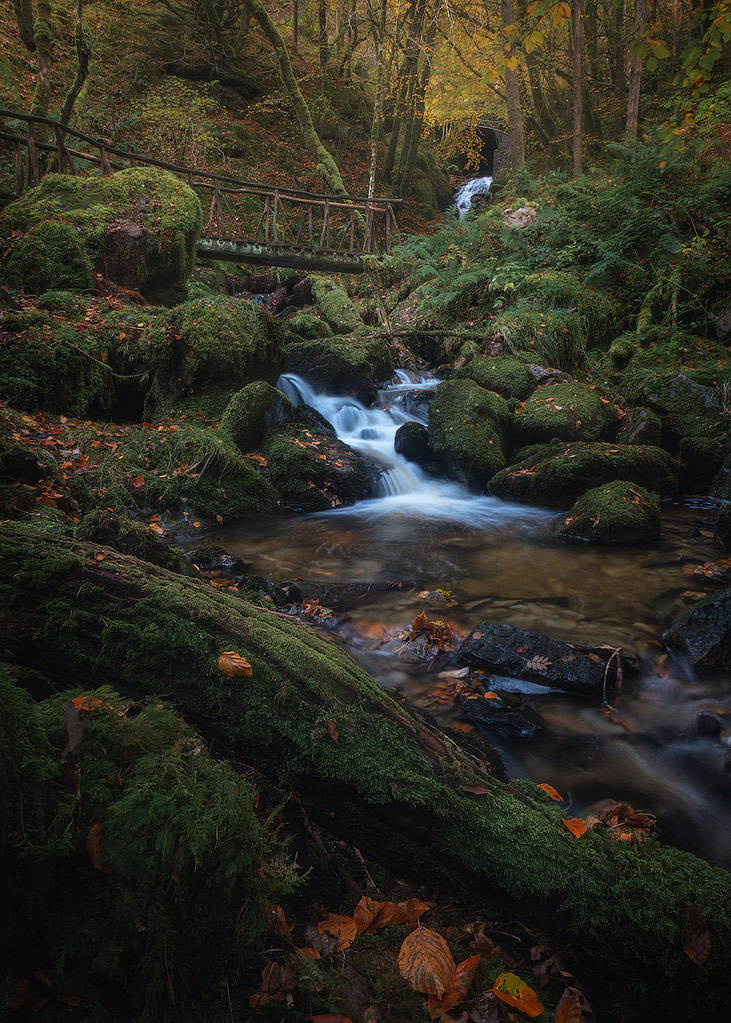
x,y
500,565
465,195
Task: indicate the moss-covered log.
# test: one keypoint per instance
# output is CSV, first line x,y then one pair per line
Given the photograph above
x,y
364,766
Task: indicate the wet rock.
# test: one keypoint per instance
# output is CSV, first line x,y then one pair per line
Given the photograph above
x,y
700,459
415,402
251,411
505,375
493,714
550,662
309,416
352,366
467,431
722,531
212,558
547,375
703,632
555,475
412,442
687,409
619,512
710,723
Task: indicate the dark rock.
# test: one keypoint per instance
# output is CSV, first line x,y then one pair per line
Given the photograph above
x,y
309,416
415,402
710,723
212,558
722,532
412,442
22,465
547,375
700,459
640,426
703,632
688,409
496,716
550,662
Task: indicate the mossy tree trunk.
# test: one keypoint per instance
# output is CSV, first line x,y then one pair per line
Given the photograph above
x,y
363,765
83,57
43,38
326,165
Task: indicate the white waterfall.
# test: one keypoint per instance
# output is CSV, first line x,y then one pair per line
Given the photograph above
x,y
471,188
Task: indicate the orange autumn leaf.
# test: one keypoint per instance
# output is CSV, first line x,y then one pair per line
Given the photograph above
x,y
138,482
87,703
513,991
411,910
568,1009
308,952
576,825
369,916
695,936
277,922
94,848
233,665
426,962
341,928
465,975
551,791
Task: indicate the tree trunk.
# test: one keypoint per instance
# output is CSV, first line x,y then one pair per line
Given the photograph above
x,y
379,31
635,74
24,19
326,166
83,56
364,766
43,37
323,44
512,89
577,87
295,25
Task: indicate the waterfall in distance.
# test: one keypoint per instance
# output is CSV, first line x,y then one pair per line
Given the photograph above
x,y
471,188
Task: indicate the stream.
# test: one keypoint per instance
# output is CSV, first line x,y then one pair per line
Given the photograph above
x,y
499,564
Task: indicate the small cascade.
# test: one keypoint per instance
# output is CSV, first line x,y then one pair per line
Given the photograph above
x,y
403,487
471,188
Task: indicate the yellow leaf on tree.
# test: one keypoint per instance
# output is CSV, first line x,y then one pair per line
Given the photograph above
x,y
511,63
233,665
513,991
426,962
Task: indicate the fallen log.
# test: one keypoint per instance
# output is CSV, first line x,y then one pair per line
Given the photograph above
x,y
363,765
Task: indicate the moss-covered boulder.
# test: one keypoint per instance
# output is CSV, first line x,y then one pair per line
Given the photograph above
x,y
467,431
722,530
564,412
251,412
313,471
555,475
503,374
619,512
137,227
640,426
687,408
343,365
197,356
700,459
55,367
362,766
336,305
309,326
128,536
134,864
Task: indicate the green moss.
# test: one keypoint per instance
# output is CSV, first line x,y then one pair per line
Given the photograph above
x,y
309,326
556,475
56,368
506,376
138,227
619,512
640,426
60,302
564,412
335,305
314,472
466,430
687,409
343,365
129,537
186,865
251,411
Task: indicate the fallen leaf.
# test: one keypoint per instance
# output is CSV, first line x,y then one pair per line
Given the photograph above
x,y
539,663
568,1009
307,952
695,937
576,825
426,962
138,482
513,991
551,791
342,928
277,922
465,974
332,731
233,665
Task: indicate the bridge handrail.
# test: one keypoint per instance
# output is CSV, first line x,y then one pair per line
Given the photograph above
x,y
139,158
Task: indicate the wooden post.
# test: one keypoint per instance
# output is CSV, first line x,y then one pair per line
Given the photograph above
x,y
274,217
266,225
34,174
18,169
352,230
63,164
309,222
325,233
104,161
388,228
368,240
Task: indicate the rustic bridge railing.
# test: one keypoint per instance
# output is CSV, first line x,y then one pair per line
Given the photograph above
x,y
242,220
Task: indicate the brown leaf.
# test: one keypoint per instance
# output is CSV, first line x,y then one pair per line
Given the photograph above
x,y
332,731
539,663
550,791
342,928
696,938
426,962
576,825
94,848
568,1009
277,922
138,482
234,665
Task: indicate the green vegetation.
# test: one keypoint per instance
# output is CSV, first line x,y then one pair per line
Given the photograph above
x,y
466,430
621,512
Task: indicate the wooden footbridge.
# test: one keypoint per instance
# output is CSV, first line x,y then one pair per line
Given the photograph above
x,y
246,222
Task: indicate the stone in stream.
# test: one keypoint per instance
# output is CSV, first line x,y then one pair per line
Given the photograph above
x,y
550,662
703,632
